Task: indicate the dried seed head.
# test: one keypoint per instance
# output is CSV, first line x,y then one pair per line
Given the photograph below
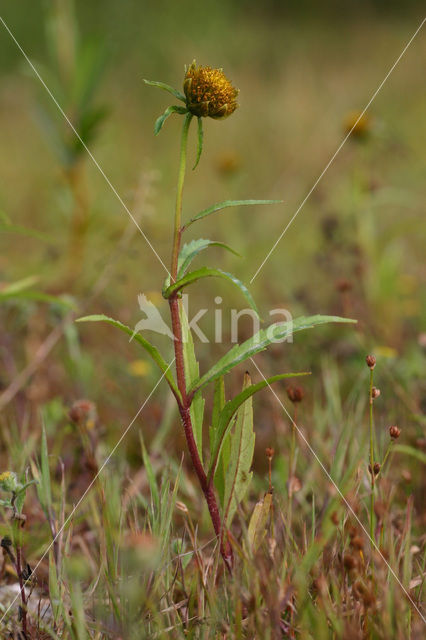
x,y
371,361
334,518
394,432
375,392
357,543
349,562
83,411
181,506
343,285
209,92
376,468
295,394
269,453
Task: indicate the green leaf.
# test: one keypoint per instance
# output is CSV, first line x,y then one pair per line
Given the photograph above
x,y
238,475
45,487
190,250
207,272
258,521
18,229
168,112
166,87
191,373
410,451
260,341
218,404
150,475
230,408
199,142
89,69
228,203
153,351
19,285
19,289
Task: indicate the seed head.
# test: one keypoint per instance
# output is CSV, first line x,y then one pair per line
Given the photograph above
x,y
269,453
343,285
376,468
350,562
394,432
83,411
209,92
371,361
181,506
295,394
357,543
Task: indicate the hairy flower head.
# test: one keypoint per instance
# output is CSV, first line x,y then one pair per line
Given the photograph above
x,y
8,481
209,92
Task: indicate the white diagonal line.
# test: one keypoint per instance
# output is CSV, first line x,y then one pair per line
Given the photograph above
x,y
335,154
86,148
92,483
302,435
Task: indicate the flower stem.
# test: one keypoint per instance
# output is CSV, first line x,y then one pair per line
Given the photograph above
x,y
371,462
186,400
179,194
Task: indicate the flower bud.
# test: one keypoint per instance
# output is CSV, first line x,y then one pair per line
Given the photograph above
x,y
371,361
394,432
8,481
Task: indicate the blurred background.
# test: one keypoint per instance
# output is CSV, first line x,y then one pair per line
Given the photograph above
x,y
356,248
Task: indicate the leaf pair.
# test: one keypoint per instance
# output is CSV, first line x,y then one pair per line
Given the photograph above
x,y
176,109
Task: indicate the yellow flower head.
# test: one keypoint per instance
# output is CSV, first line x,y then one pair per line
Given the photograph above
x,y
8,481
358,123
209,92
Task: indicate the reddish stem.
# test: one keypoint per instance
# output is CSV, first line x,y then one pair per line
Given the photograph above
x,y
184,410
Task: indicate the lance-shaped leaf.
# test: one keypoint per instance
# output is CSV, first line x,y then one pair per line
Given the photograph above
x,y
207,272
191,373
224,205
153,351
231,407
222,465
190,250
168,112
260,341
259,520
166,87
241,439
199,142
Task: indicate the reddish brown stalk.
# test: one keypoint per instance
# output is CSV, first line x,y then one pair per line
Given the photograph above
x,y
184,410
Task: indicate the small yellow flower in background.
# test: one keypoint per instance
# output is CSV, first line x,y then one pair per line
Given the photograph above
x,y
359,125
386,352
208,92
139,368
